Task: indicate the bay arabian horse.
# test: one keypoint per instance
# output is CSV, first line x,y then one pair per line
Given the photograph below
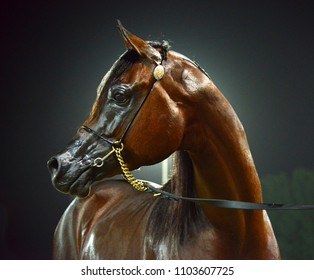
x,y
152,103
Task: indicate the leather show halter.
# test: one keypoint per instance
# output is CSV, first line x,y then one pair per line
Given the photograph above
x,y
117,147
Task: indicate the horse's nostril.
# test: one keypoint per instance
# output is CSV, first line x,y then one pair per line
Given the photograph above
x,y
53,165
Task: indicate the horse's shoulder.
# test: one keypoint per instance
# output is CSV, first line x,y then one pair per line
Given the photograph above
x,y
110,202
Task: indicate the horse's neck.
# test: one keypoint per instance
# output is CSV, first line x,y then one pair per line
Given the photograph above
x,y
222,162
222,159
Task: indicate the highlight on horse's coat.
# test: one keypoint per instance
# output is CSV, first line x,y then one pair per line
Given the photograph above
x,y
153,103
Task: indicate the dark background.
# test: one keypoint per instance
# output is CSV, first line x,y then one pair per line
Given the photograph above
x,y
55,53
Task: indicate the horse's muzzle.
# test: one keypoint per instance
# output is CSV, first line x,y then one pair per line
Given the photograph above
x,y
69,177
54,166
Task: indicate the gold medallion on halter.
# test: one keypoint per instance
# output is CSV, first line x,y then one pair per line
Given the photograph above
x,y
159,72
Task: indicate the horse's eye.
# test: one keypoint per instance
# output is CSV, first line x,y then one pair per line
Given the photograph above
x,y
120,94
120,97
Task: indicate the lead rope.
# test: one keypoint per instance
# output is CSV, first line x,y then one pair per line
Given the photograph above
x,y
141,186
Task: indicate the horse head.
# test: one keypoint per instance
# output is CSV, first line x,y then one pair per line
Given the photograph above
x,y
140,105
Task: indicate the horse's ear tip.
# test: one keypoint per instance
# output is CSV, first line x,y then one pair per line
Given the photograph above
x,y
125,33
120,26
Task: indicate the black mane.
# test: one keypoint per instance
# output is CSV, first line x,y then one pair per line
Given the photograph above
x,y
163,45
184,218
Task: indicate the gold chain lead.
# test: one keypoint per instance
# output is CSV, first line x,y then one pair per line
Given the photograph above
x,y
138,185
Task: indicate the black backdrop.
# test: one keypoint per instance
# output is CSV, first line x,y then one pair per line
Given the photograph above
x,y
54,54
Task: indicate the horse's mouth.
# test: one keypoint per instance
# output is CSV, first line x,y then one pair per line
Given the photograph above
x,y
78,186
81,186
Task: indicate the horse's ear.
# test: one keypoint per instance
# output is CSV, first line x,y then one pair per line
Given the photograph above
x,y
140,46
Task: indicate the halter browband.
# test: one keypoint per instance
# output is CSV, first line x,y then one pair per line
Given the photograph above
x,y
143,186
